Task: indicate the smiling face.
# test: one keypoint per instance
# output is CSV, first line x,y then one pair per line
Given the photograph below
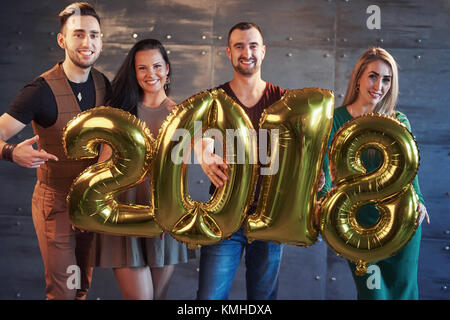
x,y
246,51
374,83
151,71
81,40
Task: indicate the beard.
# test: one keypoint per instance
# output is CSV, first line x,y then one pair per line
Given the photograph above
x,y
246,71
78,62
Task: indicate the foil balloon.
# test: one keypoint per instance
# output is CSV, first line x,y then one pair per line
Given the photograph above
x,y
92,198
192,222
285,210
388,188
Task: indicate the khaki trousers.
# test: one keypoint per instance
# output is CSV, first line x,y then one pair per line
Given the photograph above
x,y
64,251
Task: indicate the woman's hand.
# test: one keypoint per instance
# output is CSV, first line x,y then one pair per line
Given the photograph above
x,y
422,214
105,153
321,180
316,216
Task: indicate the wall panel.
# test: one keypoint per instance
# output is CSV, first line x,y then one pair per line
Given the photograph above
x,y
309,44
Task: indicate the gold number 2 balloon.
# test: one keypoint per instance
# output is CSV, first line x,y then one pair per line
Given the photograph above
x,y
192,222
285,210
389,187
92,199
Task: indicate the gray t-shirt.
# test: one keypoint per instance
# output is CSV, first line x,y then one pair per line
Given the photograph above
x,y
154,117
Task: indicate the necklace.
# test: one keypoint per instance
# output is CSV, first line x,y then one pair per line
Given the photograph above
x,y
79,96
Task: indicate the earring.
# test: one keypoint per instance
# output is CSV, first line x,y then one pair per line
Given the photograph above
x,y
167,84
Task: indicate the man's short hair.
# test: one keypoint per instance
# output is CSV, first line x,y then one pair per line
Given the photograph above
x,y
81,8
244,26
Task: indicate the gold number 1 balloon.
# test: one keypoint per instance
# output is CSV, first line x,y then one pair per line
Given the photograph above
x,y
389,187
285,210
192,222
92,199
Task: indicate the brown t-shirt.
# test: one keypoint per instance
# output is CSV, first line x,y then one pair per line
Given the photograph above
x,y
272,94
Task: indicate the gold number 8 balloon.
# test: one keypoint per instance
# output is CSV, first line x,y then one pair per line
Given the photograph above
x,y
389,187
92,199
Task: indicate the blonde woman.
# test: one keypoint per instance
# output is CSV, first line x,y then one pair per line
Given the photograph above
x,y
373,87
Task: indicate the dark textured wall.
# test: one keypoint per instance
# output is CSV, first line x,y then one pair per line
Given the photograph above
x,y
309,43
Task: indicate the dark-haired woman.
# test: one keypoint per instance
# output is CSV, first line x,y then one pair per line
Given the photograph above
x,y
142,266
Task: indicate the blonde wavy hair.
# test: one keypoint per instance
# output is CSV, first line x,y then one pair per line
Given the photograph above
x,y
388,103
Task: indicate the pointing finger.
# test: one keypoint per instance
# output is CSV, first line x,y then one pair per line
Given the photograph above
x,y
43,155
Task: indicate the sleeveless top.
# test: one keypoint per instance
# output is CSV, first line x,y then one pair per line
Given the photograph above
x,y
59,175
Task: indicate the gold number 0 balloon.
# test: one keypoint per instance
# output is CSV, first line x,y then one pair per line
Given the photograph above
x,y
285,210
192,222
91,200
389,187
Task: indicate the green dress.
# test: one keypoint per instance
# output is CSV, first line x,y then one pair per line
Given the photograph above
x,y
398,273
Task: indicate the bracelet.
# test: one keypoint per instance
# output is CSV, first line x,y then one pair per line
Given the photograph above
x,y
7,152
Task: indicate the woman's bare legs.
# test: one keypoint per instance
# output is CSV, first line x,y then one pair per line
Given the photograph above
x,y
144,283
161,278
135,283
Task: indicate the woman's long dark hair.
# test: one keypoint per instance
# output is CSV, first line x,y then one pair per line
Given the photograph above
x,y
126,92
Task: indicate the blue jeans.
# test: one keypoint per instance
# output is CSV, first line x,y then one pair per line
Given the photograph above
x,y
219,262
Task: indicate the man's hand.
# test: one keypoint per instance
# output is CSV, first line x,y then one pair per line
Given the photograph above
x,y
26,156
81,230
215,168
212,165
